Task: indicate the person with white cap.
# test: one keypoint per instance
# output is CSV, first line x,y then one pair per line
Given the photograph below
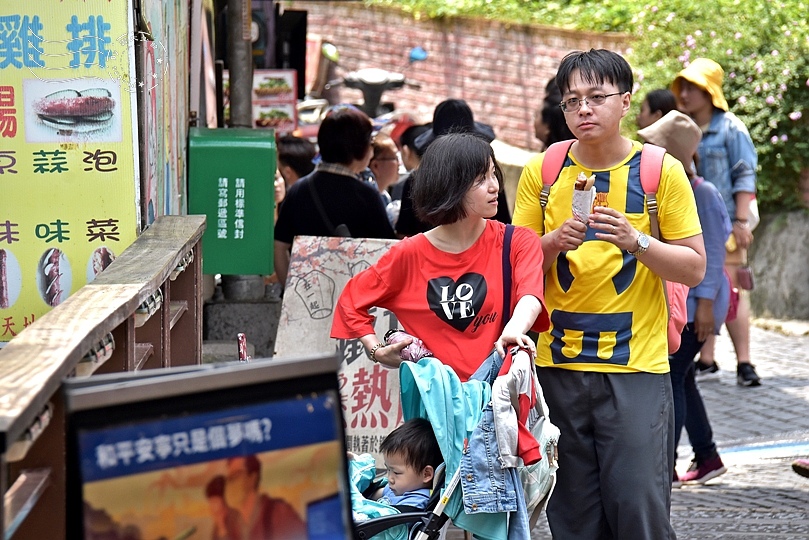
x,y
727,159
707,302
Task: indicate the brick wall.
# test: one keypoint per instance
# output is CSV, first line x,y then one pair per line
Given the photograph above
x,y
500,70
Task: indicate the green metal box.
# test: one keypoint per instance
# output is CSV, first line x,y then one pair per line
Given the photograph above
x,y
231,174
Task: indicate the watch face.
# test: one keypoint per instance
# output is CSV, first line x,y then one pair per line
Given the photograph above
x,y
643,241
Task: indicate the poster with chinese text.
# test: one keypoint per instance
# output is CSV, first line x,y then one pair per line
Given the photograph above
x,y
274,99
319,268
199,474
68,146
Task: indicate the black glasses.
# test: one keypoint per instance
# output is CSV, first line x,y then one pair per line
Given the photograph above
x,y
596,100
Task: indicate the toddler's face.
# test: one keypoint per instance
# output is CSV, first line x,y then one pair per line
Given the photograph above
x,y
402,477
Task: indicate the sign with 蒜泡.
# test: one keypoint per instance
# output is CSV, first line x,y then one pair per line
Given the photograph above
x,y
68,171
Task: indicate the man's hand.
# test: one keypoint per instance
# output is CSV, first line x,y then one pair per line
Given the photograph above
x,y
569,236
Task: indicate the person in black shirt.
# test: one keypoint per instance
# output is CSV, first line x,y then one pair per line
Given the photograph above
x,y
347,202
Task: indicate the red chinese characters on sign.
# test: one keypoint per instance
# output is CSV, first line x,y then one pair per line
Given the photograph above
x,y
8,325
9,232
8,112
369,389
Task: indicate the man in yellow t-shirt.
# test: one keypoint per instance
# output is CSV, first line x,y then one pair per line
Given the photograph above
x,y
603,364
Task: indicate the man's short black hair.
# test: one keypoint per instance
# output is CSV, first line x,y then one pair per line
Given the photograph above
x,y
662,100
297,153
450,167
597,66
416,443
408,137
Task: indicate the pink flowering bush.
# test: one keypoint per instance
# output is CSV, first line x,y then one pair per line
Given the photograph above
x,y
764,50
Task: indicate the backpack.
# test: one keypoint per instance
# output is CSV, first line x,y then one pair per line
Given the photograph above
x,y
651,168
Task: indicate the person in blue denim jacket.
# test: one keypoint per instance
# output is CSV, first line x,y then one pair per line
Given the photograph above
x,y
727,159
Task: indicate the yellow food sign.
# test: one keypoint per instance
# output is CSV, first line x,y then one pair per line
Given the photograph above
x,y
68,172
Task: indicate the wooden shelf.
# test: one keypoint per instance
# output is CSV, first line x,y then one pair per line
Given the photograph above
x,y
176,310
161,272
21,498
142,353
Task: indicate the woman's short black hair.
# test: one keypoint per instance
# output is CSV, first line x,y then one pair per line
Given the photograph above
x,y
662,100
297,153
415,441
596,66
344,135
450,167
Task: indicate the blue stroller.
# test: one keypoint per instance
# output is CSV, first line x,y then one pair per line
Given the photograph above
x,y
506,503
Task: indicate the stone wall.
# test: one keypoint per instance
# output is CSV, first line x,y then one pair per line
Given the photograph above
x,y
779,258
501,70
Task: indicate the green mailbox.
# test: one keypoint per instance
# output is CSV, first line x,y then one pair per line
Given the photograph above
x,y
231,174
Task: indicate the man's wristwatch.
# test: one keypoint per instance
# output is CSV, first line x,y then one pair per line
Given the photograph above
x,y
643,245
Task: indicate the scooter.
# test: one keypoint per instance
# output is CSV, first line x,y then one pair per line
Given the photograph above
x,y
372,82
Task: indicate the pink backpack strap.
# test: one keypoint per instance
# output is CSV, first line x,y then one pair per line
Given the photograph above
x,y
651,168
552,163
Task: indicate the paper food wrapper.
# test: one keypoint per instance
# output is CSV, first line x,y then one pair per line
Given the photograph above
x,y
583,204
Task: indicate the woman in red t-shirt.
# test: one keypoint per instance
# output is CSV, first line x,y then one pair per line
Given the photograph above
x,y
445,286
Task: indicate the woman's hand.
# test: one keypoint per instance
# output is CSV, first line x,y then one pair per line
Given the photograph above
x,y
391,355
508,339
743,234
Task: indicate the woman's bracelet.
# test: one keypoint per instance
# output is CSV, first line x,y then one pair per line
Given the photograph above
x,y
372,352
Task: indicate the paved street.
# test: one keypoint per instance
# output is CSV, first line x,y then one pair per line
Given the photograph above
x,y
759,432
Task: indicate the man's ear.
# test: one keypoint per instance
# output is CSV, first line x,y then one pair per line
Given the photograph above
x,y
288,173
626,98
427,474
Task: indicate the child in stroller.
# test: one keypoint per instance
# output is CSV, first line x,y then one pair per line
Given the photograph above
x,y
412,456
413,477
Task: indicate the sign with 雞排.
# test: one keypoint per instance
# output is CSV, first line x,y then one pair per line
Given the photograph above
x,y
68,147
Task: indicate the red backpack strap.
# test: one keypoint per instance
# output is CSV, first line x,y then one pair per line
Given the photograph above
x,y
552,163
651,168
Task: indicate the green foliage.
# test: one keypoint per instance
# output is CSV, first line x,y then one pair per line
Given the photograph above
x,y
603,16
763,46
764,50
